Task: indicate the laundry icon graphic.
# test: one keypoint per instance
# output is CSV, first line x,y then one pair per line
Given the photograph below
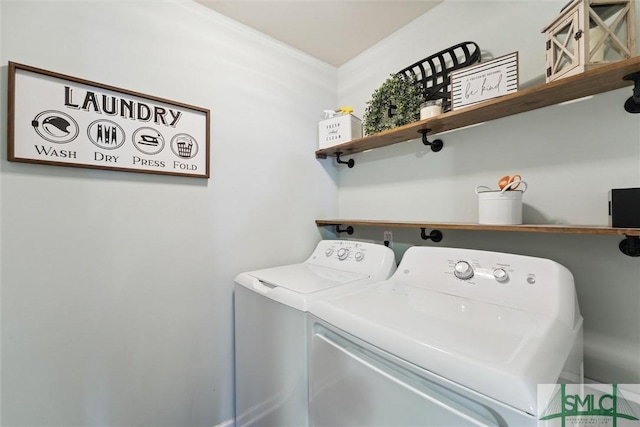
x,y
55,126
184,148
148,140
106,134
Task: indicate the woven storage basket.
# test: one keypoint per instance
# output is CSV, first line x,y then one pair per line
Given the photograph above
x,y
433,72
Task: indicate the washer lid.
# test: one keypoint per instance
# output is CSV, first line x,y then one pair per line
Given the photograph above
x,y
305,278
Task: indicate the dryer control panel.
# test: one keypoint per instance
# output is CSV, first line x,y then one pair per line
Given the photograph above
x,y
527,283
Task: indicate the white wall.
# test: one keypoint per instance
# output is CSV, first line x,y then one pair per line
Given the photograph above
x,y
3,124
117,287
570,155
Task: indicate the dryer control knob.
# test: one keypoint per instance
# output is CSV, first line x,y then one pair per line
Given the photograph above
x,y
359,256
343,253
329,252
463,270
500,275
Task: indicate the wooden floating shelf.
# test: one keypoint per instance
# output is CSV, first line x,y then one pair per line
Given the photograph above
x,y
599,80
528,228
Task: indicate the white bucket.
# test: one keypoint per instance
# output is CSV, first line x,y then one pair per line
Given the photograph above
x,y
500,207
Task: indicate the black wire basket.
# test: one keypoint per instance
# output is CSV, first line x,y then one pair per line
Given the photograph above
x,y
432,73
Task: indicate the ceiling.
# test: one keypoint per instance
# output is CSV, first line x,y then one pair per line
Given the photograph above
x,y
333,31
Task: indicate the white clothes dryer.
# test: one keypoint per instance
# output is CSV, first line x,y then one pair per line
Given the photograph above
x,y
271,332
454,338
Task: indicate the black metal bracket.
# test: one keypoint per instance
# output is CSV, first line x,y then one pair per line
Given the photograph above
x,y
349,162
632,104
630,246
435,145
435,235
348,230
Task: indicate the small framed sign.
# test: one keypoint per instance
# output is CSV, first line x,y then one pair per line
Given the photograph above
x,y
66,121
484,81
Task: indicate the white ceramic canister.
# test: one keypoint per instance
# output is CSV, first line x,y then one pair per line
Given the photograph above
x,y
500,207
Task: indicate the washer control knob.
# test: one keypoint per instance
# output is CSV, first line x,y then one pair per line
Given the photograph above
x,y
463,270
328,252
359,256
500,275
343,253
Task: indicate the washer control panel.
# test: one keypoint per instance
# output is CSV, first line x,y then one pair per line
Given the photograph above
x,y
359,257
346,253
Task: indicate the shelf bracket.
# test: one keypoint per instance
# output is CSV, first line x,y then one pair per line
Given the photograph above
x,y
435,235
348,230
632,104
349,162
436,145
630,246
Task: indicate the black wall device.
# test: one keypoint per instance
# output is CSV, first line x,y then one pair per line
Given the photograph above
x,y
624,207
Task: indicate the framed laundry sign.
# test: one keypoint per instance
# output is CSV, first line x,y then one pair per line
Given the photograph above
x,y
484,81
67,121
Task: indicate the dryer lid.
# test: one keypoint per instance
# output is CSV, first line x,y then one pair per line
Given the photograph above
x,y
497,351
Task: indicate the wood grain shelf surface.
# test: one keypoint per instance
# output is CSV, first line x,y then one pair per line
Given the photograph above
x,y
528,228
599,80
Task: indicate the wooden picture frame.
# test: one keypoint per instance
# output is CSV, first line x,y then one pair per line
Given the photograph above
x,y
60,120
484,81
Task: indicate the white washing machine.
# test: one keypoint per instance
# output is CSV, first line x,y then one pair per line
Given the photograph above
x,y
271,331
454,338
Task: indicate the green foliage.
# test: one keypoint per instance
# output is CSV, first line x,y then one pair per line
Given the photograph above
x,y
400,91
